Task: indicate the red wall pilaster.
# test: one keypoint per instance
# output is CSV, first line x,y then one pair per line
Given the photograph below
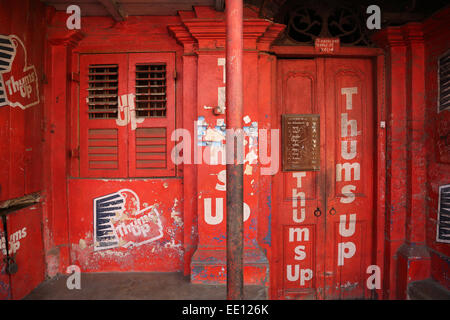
x,y
207,27
267,62
189,170
56,152
437,130
407,258
415,231
391,39
413,257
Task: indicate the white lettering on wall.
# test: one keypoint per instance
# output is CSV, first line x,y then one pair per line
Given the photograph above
x,y
218,217
345,124
302,234
346,250
348,92
348,171
303,274
348,195
343,230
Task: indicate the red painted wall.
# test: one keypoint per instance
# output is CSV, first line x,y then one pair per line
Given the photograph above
x,y
72,207
437,42
21,142
40,144
20,130
25,245
164,254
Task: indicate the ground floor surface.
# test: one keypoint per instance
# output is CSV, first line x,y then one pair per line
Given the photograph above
x,y
136,286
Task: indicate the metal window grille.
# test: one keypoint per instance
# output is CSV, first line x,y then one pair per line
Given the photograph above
x,y
151,88
444,82
103,91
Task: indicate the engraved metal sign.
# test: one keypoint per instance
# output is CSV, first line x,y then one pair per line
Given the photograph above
x,y
300,142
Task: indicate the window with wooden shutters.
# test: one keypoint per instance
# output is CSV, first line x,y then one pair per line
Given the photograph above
x,y
152,81
444,82
127,114
443,221
151,88
103,144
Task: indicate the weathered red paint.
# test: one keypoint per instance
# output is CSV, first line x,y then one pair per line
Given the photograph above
x,y
162,255
412,84
21,145
20,134
5,283
234,169
436,129
41,150
30,254
26,246
313,86
210,253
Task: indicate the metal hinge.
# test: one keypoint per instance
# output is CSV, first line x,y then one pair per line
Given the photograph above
x,y
75,76
75,153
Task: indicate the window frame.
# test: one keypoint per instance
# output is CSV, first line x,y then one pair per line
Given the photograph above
x,y
126,163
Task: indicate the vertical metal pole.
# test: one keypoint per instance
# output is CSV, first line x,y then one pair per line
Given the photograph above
x,y
234,112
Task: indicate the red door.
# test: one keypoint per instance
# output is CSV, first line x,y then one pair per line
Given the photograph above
x,y
325,217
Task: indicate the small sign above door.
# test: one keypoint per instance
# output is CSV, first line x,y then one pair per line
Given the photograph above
x,y
300,142
327,45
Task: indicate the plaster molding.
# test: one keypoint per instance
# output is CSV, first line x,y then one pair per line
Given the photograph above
x,y
390,37
207,28
68,39
413,32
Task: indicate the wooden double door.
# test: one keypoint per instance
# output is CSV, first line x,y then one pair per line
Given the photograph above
x,y
323,220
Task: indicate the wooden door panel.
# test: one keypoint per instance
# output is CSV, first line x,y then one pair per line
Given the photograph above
x,y
150,128
335,248
103,151
298,194
350,207
350,135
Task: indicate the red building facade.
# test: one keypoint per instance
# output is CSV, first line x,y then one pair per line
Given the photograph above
x,y
118,131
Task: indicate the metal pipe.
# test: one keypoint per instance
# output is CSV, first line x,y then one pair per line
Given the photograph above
x,y
234,149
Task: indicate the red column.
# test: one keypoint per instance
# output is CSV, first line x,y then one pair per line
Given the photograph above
x,y
413,257
407,258
415,221
391,39
234,168
55,170
189,170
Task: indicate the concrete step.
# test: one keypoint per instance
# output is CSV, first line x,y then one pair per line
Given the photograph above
x,y
427,289
136,286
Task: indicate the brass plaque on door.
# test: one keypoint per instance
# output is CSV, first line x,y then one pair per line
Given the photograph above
x,y
300,142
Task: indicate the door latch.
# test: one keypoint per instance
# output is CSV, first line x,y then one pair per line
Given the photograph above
x,y
317,212
332,211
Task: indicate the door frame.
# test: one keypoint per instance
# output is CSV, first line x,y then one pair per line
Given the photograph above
x,y
377,56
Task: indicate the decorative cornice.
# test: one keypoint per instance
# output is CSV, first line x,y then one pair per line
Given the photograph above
x,y
413,32
69,39
207,29
389,37
272,32
216,29
437,22
183,37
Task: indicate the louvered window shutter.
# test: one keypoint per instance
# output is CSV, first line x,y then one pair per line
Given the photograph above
x,y
103,143
151,79
443,221
444,82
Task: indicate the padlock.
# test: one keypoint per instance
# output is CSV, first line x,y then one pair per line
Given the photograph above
x,y
11,266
